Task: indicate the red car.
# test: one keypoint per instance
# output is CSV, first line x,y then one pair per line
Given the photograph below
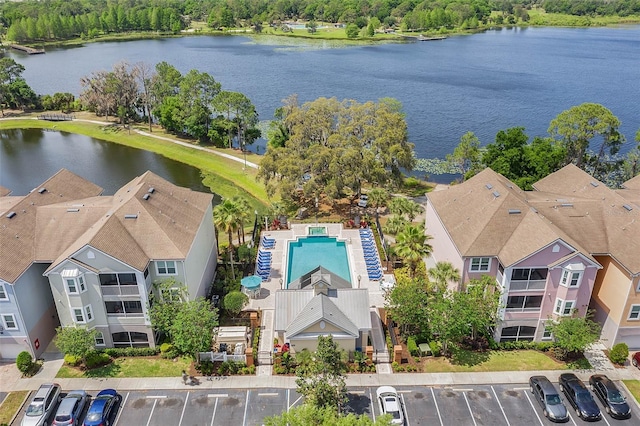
x,y
636,360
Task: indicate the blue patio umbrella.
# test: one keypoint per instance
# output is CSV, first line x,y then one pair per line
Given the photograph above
x,y
252,282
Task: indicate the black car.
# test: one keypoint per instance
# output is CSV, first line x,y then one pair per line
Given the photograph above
x,y
579,397
614,402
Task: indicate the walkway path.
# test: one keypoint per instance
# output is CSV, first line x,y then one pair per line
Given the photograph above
x,y
164,138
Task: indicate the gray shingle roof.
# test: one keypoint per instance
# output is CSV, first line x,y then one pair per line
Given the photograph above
x,y
317,276
321,308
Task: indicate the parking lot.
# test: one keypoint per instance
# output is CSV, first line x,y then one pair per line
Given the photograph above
x,y
510,405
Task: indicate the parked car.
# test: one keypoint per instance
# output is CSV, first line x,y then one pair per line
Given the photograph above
x,y
579,397
363,201
71,408
635,360
42,405
549,399
614,402
389,403
102,408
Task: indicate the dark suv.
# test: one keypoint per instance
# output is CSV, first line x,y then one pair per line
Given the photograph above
x,y
549,399
579,397
614,402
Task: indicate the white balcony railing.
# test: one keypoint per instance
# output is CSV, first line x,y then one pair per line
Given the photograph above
x,y
120,290
527,285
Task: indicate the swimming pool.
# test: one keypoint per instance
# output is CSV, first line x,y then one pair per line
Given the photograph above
x,y
308,253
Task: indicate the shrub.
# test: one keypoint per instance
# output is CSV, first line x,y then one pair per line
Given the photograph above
x,y
435,348
561,354
96,359
72,360
230,367
165,347
412,346
130,352
205,368
24,362
619,353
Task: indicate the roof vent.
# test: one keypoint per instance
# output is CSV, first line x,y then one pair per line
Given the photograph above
x,y
489,186
146,196
594,184
496,194
10,215
73,210
514,211
151,190
42,190
628,207
566,205
130,216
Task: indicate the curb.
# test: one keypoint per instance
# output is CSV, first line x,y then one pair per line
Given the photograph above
x,y
24,402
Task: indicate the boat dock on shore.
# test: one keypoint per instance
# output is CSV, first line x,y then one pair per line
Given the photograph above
x,y
424,38
27,49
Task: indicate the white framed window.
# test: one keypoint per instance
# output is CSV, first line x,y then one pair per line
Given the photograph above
x,y
564,307
166,267
3,292
78,315
546,334
99,339
480,264
71,285
9,322
81,284
89,312
571,278
634,312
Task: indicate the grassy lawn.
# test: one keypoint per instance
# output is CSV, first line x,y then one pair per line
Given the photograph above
x,y
634,388
11,405
225,177
468,361
130,367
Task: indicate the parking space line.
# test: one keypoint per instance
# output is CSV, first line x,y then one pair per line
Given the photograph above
x,y
404,404
462,390
358,392
500,405
604,418
184,407
433,395
269,394
215,407
121,409
156,396
218,395
533,408
295,402
522,389
155,401
373,412
469,407
246,405
572,421
288,398
404,391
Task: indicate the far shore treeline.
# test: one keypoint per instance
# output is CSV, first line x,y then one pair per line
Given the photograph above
x,y
34,22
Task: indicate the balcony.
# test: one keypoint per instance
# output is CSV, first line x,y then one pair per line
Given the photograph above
x,y
120,290
517,285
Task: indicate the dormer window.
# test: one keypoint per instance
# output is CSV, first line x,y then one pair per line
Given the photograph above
x,y
572,275
74,281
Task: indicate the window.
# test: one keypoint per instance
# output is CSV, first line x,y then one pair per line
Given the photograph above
x,y
480,264
89,312
572,275
83,288
528,279
99,339
524,303
9,322
564,307
71,285
78,315
634,313
127,339
124,308
118,279
518,333
546,334
166,267
3,292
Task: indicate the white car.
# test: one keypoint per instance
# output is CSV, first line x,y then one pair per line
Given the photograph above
x,y
363,201
389,403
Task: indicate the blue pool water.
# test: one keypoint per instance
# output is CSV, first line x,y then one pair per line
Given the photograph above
x,y
308,253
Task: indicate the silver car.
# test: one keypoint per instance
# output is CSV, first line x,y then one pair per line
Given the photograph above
x,y
42,405
71,408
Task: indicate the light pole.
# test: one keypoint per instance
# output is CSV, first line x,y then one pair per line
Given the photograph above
x,y
316,209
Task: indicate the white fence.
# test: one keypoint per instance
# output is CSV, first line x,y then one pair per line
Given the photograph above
x,y
221,356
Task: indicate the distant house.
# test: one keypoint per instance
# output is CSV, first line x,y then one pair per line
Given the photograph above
x,y
570,244
321,303
94,258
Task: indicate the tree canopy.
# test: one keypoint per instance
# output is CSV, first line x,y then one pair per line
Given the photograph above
x,y
574,332
334,147
308,414
76,341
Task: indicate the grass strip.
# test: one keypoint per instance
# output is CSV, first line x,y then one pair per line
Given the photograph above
x,y
471,361
11,405
634,388
225,177
130,367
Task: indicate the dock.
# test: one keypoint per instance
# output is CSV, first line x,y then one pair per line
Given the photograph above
x,y
26,49
56,117
424,38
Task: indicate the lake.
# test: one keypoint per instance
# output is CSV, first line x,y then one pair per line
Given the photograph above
x,y
482,83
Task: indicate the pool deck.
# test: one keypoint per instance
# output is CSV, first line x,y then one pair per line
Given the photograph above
x,y
265,301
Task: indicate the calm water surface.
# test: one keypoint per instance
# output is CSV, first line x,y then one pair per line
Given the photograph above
x,y
29,157
481,83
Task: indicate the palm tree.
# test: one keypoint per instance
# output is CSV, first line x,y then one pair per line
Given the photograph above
x,y
412,247
243,211
225,218
395,224
404,206
442,274
378,198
